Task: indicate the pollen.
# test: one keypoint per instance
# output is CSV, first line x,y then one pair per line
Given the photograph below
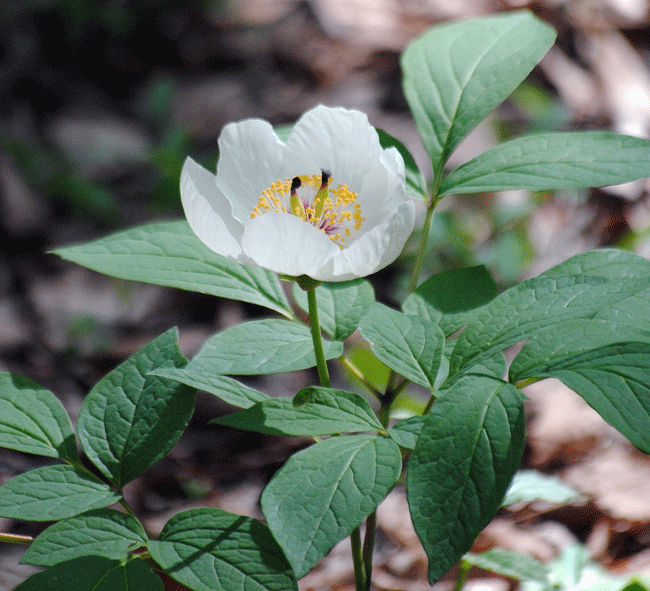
x,y
314,199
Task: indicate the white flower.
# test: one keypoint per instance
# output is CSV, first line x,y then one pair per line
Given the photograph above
x,y
330,203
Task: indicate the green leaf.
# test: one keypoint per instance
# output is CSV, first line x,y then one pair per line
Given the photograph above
x,y
227,389
259,347
455,74
170,254
32,420
340,305
613,264
530,485
53,492
552,346
609,263
546,161
605,363
101,532
406,432
408,344
130,420
416,185
94,573
452,297
212,550
535,304
510,564
323,492
635,585
314,411
468,450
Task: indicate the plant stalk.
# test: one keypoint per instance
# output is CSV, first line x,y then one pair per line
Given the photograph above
x,y
16,539
321,363
360,578
422,249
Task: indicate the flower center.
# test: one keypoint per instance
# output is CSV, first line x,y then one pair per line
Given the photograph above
x,y
312,199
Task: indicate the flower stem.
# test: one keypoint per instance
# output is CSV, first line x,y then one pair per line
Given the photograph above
x,y
463,571
422,249
321,363
359,375
361,582
324,377
16,539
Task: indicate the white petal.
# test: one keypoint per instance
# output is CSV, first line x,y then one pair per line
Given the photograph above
x,y
250,155
374,199
208,211
374,250
335,139
396,170
285,244
382,190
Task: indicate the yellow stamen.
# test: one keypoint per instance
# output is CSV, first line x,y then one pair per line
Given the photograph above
x,y
333,210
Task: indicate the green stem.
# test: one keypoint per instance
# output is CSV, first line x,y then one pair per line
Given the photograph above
x,y
429,405
527,382
359,375
371,522
321,363
324,377
16,539
422,249
463,571
369,546
361,582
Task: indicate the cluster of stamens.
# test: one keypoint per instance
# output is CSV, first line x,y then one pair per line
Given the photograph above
x,y
311,198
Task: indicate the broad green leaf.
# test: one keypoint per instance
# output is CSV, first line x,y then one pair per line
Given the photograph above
x,y
340,305
323,492
314,411
510,564
212,550
604,363
563,160
130,419
468,451
609,263
613,264
554,345
53,492
102,532
452,297
405,433
259,347
227,389
408,344
416,185
94,573
33,420
170,254
533,305
494,366
530,485
455,74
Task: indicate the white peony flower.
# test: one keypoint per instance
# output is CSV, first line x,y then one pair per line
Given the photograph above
x,y
330,203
